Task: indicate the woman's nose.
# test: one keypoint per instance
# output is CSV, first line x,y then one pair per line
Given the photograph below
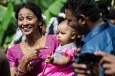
x,y
25,22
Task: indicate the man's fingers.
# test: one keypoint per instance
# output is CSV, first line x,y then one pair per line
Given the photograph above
x,y
100,53
81,69
82,66
79,50
110,71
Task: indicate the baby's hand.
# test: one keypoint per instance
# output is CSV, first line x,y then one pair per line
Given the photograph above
x,y
50,58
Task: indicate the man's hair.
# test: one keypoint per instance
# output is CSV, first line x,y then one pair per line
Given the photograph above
x,y
88,8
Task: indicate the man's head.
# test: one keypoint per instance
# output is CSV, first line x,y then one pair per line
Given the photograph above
x,y
79,12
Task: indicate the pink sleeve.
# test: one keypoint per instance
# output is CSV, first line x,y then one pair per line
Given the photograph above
x,y
11,58
52,41
56,42
69,52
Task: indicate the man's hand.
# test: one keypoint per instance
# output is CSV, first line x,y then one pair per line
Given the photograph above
x,y
107,62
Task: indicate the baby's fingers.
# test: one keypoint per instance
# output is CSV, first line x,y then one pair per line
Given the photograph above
x,y
47,60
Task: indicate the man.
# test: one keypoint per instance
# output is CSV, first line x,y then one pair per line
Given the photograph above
x,y
4,65
107,62
84,16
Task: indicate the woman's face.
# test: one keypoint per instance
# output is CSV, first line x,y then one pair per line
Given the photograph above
x,y
27,21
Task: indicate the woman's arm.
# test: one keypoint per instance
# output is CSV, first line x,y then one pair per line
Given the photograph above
x,y
13,70
4,65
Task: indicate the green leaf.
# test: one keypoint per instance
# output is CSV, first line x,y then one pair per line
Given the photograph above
x,y
5,21
7,16
2,12
54,9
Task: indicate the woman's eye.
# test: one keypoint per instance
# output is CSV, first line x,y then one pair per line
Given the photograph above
x,y
29,19
20,19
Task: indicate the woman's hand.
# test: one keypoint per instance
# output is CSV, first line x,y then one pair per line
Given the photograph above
x,y
107,62
28,57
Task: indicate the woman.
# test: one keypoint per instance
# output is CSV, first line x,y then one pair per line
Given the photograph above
x,y
20,56
4,66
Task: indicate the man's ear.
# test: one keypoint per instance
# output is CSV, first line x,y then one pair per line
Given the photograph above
x,y
83,18
73,35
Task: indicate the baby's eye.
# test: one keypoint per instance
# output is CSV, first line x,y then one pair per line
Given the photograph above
x,y
62,33
69,20
57,33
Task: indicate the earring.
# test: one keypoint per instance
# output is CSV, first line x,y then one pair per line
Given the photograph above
x,y
40,27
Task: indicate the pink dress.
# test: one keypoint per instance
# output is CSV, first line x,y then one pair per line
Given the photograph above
x,y
52,70
15,54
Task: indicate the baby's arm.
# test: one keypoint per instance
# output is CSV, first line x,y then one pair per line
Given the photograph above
x,y
59,62
63,61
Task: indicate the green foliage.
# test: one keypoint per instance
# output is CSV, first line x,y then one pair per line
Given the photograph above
x,y
50,8
6,19
8,24
54,9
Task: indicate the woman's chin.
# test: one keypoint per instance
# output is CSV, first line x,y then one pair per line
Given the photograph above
x,y
26,33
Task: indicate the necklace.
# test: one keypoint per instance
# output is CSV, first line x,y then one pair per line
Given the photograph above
x,y
38,43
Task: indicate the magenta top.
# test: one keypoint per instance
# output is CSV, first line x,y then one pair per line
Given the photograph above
x,y
15,54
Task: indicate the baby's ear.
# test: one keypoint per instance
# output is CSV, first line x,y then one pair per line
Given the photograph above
x,y
73,35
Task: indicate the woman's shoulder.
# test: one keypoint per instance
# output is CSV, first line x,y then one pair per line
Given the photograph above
x,y
51,36
14,47
51,39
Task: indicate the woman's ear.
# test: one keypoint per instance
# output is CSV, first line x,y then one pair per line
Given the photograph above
x,y
73,35
40,22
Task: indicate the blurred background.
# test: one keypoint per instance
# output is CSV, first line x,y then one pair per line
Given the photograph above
x,y
50,8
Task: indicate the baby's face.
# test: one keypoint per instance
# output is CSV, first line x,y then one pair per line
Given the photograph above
x,y
64,33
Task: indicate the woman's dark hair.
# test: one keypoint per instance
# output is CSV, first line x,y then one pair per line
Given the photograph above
x,y
58,19
34,8
111,13
87,7
103,10
52,26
